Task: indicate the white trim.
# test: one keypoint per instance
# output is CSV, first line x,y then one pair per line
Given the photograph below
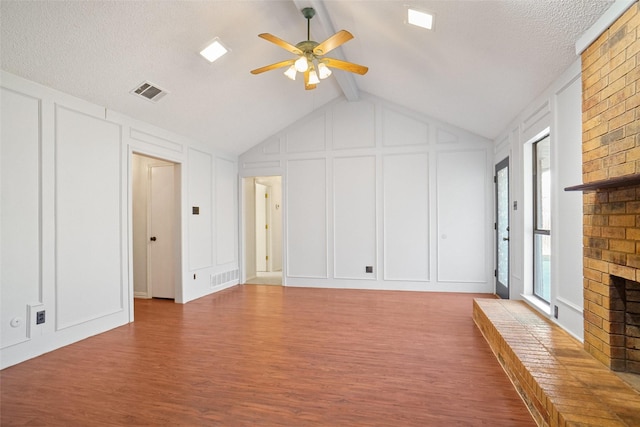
x,y
570,305
602,24
538,304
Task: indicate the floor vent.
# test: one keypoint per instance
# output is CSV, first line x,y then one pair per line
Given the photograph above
x,y
149,91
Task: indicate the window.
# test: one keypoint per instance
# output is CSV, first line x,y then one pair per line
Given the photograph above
x,y
542,219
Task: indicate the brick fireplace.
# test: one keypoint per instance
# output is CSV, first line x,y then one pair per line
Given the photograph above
x,y
611,200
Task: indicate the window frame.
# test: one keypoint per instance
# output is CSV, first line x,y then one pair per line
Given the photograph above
x,y
536,221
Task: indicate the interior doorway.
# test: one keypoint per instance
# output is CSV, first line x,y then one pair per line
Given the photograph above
x,y
263,230
156,227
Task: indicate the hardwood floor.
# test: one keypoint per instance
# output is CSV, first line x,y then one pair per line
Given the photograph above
x,y
275,356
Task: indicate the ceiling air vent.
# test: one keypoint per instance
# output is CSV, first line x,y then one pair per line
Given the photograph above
x,y
149,91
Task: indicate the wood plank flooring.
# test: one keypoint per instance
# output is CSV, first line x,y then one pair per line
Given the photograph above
x,y
275,356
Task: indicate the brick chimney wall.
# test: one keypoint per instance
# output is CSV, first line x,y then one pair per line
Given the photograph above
x,y
611,149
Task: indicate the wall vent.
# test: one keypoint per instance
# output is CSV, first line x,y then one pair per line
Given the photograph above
x,y
224,277
149,91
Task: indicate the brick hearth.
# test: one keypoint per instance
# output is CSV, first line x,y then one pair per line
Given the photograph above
x,y
611,149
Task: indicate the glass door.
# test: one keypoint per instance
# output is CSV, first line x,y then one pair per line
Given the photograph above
x,y
502,228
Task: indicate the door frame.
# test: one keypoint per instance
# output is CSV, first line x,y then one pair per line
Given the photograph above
x,y
243,212
502,289
179,232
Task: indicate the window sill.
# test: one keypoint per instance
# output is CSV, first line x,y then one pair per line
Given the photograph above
x,y
538,304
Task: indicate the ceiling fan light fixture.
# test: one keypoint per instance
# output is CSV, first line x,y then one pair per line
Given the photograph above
x,y
291,72
323,71
313,77
301,64
310,58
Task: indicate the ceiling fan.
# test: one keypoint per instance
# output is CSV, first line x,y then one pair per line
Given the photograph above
x,y
311,61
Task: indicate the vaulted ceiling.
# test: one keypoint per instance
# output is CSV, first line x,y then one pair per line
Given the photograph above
x,y
482,64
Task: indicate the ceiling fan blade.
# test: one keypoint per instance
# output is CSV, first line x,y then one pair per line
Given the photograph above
x,y
283,44
308,86
273,66
344,65
332,42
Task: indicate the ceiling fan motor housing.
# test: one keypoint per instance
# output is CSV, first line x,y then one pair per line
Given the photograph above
x,y
308,12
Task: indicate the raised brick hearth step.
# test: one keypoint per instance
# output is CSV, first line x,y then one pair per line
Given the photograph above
x,y
560,382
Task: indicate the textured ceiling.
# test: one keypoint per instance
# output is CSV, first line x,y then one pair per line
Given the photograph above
x,y
485,61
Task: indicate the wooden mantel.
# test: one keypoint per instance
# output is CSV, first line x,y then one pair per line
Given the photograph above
x,y
622,181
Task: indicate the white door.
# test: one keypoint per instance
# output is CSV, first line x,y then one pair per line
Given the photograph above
x,y
161,256
262,252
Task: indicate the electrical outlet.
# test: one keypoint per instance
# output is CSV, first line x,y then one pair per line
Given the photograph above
x,y
40,317
368,269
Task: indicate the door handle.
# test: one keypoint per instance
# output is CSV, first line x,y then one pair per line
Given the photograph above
x,y
505,238
153,239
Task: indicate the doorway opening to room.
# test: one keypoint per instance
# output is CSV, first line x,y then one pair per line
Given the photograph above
x,y
155,193
263,230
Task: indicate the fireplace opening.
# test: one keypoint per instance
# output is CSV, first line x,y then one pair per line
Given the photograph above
x,y
625,325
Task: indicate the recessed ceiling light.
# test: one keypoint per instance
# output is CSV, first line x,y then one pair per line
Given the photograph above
x,y
420,18
214,51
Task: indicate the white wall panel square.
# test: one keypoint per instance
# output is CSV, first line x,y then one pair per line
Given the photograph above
x,y
226,214
353,125
88,218
462,222
399,129
567,231
20,207
354,205
444,137
406,217
200,190
308,136
272,146
307,218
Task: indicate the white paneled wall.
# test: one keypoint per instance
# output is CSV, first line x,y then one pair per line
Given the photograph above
x,y
462,193
406,216
354,217
20,234
226,212
200,196
306,209
353,125
557,111
369,183
65,229
399,130
567,222
90,279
